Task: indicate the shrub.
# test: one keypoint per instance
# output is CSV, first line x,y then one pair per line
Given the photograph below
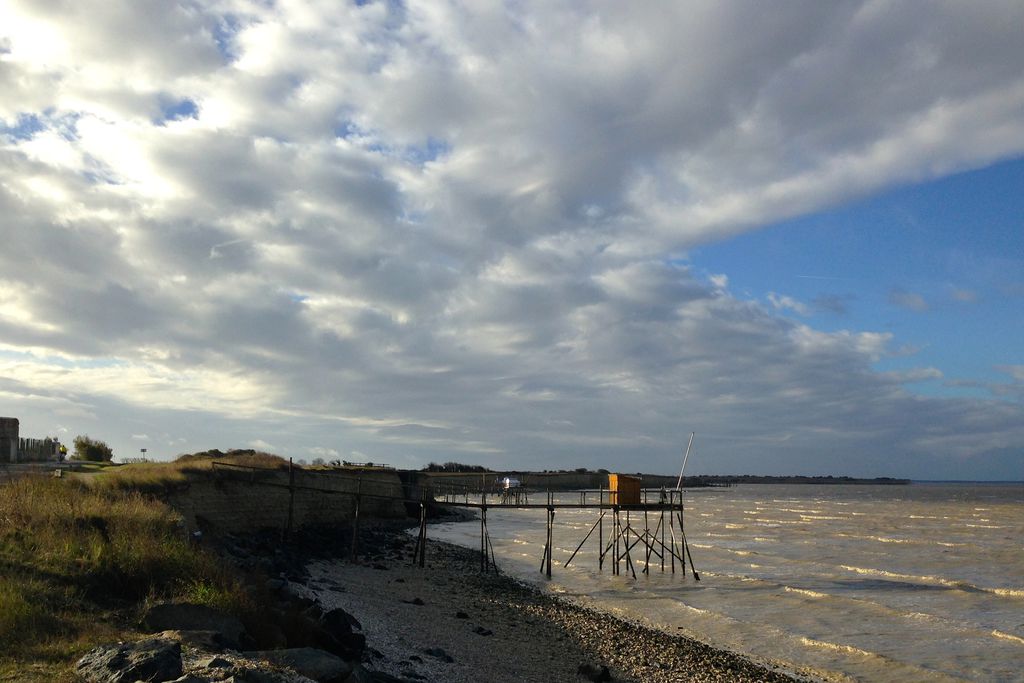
x,y
92,450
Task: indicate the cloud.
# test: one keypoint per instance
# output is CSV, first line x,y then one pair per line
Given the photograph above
x,y
911,301
966,296
781,302
424,229
832,303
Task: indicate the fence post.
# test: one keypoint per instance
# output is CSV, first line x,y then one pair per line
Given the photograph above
x,y
291,499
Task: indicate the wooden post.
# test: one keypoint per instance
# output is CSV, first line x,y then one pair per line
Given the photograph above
x,y
291,499
551,547
483,538
647,545
600,530
661,523
423,534
355,521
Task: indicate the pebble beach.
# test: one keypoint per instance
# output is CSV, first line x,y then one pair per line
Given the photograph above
x,y
448,621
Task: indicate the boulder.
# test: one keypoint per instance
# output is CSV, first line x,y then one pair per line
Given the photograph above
x,y
338,619
183,616
153,659
336,635
308,661
210,641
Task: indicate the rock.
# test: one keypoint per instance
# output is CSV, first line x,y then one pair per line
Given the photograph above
x,y
598,674
308,661
190,678
414,601
214,663
335,618
381,677
183,616
438,653
461,615
483,631
153,659
337,636
360,675
211,641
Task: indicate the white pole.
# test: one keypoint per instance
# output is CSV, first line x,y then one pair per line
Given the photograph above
x,y
687,455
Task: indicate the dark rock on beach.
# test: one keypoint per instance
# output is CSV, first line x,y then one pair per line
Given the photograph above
x,y
154,659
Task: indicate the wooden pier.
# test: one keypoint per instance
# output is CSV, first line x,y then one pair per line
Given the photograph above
x,y
655,523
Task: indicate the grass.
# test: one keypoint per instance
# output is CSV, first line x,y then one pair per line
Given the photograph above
x,y
159,477
77,562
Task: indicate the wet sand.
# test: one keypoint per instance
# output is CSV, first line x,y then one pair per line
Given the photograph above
x,y
450,622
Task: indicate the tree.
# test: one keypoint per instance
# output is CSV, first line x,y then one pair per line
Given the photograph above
x,y
92,450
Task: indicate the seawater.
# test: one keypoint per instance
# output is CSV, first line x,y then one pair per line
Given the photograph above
x,y
923,582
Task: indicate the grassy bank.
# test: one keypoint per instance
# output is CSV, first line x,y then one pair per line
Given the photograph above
x,y
78,561
159,477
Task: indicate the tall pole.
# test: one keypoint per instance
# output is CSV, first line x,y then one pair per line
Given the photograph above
x,y
687,455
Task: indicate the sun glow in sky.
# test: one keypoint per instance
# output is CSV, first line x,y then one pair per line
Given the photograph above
x,y
533,235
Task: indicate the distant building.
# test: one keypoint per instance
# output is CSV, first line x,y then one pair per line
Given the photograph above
x,y
8,439
13,448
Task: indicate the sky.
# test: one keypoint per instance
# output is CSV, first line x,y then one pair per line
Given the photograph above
x,y
527,235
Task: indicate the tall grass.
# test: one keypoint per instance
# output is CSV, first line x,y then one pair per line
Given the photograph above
x,y
159,477
73,555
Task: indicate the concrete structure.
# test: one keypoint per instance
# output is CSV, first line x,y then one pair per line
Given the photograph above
x,y
8,439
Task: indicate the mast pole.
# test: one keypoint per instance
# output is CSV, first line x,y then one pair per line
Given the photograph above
x,y
687,455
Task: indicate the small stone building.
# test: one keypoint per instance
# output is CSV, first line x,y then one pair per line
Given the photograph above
x,y
8,439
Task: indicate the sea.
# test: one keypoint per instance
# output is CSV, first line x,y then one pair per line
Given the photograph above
x,y
919,582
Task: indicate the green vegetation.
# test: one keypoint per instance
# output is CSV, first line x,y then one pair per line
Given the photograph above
x,y
454,467
77,562
159,477
92,450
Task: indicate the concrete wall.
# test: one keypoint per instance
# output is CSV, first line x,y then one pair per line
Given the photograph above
x,y
244,501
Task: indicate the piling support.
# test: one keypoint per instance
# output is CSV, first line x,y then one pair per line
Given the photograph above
x,y
291,500
354,553
483,538
600,531
419,555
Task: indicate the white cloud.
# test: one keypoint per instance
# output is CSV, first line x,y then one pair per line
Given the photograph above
x,y
432,228
781,302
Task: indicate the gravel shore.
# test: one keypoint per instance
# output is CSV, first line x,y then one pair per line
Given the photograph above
x,y
450,622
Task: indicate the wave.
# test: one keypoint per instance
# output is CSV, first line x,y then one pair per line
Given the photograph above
x,y
838,647
956,584
1007,636
804,591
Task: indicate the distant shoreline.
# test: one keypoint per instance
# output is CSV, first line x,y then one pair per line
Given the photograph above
x,y
721,479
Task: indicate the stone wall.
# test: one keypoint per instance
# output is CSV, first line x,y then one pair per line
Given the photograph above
x,y
8,439
246,501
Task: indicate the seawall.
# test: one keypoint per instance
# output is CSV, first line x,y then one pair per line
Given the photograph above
x,y
229,502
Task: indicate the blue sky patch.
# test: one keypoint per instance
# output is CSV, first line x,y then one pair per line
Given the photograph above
x,y
172,109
